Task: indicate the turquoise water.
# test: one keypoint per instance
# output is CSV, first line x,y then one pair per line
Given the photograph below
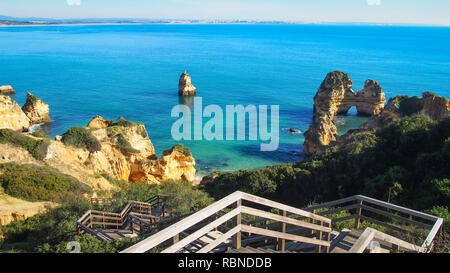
x,y
133,71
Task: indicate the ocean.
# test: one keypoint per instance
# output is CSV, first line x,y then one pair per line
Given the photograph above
x,y
132,71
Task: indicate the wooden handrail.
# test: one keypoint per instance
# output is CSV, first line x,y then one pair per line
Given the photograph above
x,y
236,198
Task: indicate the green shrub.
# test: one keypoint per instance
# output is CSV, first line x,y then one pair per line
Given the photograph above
x,y
123,144
183,149
40,134
37,148
409,106
81,138
36,183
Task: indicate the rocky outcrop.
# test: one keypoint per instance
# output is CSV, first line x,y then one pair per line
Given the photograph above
x,y
6,90
185,87
335,97
435,106
11,115
98,123
126,153
36,110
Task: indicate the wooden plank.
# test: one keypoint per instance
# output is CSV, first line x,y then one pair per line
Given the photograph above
x,y
430,238
182,225
276,205
279,218
202,232
398,208
398,217
220,240
332,203
363,242
380,236
369,219
286,236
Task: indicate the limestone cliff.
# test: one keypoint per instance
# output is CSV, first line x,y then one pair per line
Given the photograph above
x,y
36,110
335,97
125,153
11,115
6,90
13,209
185,87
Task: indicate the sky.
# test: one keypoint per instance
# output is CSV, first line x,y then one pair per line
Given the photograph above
x,y
433,12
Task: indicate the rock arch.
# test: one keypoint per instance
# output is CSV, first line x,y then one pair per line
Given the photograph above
x,y
335,97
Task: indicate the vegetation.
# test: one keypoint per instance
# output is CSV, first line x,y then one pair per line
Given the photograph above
x,y
407,163
183,149
123,144
37,148
52,231
409,106
36,183
40,134
81,138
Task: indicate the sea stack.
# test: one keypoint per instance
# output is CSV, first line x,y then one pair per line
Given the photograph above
x,y
11,116
36,110
6,90
185,87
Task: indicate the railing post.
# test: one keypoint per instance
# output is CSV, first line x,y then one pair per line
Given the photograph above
x,y
176,238
358,214
237,221
281,244
319,237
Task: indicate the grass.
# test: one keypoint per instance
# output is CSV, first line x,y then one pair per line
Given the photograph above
x,y
37,148
81,138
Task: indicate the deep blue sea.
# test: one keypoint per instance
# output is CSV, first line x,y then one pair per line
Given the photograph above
x,y
133,71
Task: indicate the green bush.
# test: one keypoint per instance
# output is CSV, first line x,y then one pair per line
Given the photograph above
x,y
81,138
123,144
36,183
37,148
409,106
183,149
40,134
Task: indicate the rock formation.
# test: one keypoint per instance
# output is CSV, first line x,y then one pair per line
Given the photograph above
x,y
36,110
185,87
6,90
335,97
126,153
11,115
13,209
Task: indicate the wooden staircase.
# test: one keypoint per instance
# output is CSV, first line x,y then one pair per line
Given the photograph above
x,y
277,228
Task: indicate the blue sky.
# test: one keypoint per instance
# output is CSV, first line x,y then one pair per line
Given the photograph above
x,y
378,11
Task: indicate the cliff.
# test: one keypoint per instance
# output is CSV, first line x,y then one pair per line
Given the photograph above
x,y
185,87
335,97
36,110
11,115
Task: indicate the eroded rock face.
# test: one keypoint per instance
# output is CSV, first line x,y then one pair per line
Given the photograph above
x,y
98,123
36,110
335,97
185,87
126,154
6,90
11,115
437,107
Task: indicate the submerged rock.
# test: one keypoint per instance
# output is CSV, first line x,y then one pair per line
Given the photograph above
x,y
36,110
11,115
6,90
185,87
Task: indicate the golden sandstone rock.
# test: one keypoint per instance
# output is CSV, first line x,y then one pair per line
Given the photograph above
x,y
6,90
185,87
11,115
335,97
36,110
